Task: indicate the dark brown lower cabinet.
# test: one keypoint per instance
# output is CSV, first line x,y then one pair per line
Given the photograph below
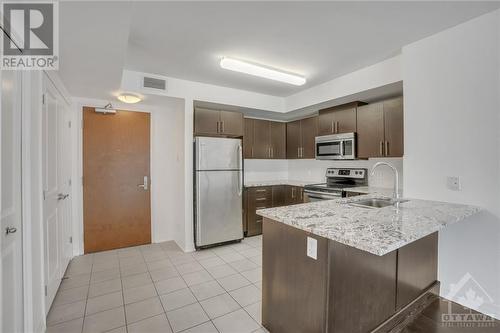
x,y
255,198
344,290
294,195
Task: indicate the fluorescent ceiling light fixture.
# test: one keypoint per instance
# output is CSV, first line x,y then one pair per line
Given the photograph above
x,y
261,71
129,98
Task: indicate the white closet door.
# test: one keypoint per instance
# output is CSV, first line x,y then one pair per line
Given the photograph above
x,y
57,187
11,293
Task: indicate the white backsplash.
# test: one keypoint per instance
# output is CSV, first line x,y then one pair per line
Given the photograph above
x,y
263,170
314,171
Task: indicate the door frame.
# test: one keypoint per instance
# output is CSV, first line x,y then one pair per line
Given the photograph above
x,y
78,226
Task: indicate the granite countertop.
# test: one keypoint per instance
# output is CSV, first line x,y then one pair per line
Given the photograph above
x,y
374,230
277,182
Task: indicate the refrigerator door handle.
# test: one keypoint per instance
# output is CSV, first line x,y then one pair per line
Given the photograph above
x,y
240,165
198,208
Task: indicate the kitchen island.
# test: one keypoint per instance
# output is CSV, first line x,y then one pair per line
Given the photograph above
x,y
332,266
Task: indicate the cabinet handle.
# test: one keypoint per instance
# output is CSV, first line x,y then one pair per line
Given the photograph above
x,y
298,151
218,127
381,148
261,199
333,128
337,127
387,148
293,192
222,126
261,190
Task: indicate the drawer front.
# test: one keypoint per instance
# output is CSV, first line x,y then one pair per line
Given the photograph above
x,y
262,192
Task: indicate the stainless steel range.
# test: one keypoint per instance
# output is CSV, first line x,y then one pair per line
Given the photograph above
x,y
337,181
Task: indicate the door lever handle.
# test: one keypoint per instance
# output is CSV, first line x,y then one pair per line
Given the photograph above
x,y
10,230
62,196
144,185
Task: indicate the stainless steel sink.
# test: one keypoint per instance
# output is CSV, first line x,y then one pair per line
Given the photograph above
x,y
376,203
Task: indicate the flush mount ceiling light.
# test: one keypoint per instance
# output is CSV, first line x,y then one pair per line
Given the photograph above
x,y
129,98
261,71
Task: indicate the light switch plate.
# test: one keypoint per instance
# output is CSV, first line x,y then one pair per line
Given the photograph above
x,y
453,183
312,248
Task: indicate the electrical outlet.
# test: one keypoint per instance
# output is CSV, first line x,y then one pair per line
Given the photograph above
x,y
453,183
312,248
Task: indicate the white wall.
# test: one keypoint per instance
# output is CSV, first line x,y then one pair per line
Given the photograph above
x,y
378,75
452,128
167,169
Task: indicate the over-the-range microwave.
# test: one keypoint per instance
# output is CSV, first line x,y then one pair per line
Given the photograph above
x,y
336,147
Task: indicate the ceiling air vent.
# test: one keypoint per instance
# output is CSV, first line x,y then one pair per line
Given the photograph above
x,y
153,83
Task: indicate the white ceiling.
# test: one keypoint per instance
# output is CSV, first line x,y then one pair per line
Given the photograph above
x,y
320,40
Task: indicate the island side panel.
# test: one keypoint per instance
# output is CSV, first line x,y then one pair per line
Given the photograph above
x,y
294,286
362,291
417,268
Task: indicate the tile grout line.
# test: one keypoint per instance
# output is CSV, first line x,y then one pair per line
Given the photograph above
x,y
123,296
170,255
159,298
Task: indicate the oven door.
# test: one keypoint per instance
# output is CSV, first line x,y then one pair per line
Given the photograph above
x,y
329,150
349,149
312,196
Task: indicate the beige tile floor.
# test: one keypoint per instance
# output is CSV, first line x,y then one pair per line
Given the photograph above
x,y
159,288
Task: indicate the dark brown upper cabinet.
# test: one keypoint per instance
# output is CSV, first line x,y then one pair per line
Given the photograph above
x,y
370,134
300,138
278,140
218,123
380,129
248,138
394,127
293,139
264,139
338,119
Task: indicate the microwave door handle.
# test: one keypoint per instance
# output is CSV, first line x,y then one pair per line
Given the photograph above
x,y
342,143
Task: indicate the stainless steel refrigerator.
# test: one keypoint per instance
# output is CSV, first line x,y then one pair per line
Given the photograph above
x,y
218,189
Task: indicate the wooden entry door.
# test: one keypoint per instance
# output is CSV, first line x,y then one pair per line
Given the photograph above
x,y
116,163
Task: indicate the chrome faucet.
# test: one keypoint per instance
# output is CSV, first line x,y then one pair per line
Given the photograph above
x,y
395,194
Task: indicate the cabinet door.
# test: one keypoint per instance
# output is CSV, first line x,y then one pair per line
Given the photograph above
x,y
206,121
393,119
345,120
248,138
309,131
231,123
370,134
279,195
293,139
325,122
278,140
293,195
261,139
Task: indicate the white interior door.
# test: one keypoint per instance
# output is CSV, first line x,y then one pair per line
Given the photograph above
x,y
56,184
10,207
